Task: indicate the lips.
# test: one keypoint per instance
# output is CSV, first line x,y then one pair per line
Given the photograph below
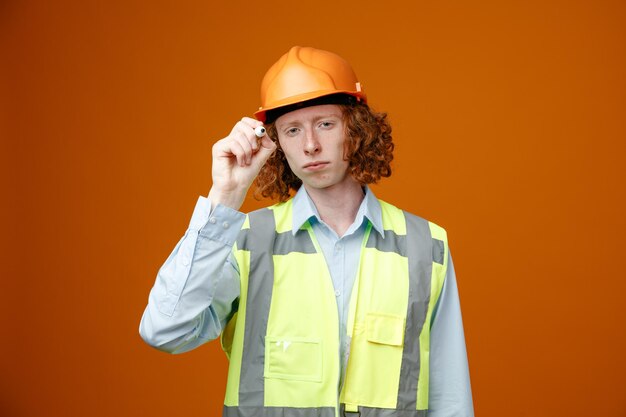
x,y
312,166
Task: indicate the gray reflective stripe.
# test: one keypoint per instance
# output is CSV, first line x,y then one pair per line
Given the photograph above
x,y
242,239
259,241
391,243
438,251
316,412
383,412
278,412
284,243
386,412
419,249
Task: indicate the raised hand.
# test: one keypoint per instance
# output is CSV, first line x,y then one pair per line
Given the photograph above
x,y
237,160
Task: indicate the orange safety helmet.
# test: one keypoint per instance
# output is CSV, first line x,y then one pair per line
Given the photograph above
x,y
305,74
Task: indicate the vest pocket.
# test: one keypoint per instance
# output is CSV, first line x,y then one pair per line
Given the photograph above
x,y
294,358
386,329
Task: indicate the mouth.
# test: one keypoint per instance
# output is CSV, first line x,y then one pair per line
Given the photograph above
x,y
313,166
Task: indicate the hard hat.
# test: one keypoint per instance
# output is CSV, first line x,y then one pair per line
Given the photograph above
x,y
305,74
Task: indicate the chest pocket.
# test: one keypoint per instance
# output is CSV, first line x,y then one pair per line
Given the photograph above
x,y
385,329
295,358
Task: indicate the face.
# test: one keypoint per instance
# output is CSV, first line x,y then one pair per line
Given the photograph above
x,y
312,139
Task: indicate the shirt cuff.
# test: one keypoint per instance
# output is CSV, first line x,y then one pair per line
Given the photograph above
x,y
222,224
200,213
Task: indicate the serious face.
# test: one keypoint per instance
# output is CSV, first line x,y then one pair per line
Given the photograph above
x,y
312,139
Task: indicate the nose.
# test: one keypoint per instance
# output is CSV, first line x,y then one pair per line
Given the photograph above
x,y
312,145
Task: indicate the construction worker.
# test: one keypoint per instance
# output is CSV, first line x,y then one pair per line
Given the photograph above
x,y
330,302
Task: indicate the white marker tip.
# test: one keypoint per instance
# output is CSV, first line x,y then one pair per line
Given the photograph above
x,y
259,131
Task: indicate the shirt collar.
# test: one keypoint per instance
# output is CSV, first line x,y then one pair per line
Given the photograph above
x,y
304,209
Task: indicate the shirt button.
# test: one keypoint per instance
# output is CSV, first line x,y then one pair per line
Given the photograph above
x,y
212,220
225,225
338,247
185,260
337,293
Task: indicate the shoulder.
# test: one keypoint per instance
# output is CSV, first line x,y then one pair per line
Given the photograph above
x,y
275,206
392,215
422,233
270,215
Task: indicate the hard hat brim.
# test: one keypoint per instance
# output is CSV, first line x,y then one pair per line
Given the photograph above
x,y
301,98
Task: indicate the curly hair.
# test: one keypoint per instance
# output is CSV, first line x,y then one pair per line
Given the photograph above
x,y
368,148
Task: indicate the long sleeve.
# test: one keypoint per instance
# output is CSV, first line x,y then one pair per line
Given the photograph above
x,y
194,291
450,390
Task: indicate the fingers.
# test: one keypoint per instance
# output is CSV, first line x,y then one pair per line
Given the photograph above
x,y
266,149
242,154
255,125
251,122
243,142
267,143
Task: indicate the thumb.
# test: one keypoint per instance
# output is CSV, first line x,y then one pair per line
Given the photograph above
x,y
267,143
266,150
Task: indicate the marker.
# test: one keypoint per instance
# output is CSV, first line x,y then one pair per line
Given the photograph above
x,y
259,131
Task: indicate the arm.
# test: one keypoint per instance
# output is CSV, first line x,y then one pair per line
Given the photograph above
x,y
192,298
450,389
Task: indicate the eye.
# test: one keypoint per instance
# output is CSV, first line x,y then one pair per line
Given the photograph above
x,y
326,124
292,131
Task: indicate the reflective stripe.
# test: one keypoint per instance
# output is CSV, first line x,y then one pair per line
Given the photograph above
x,y
316,412
287,243
284,243
438,250
437,279
420,270
278,412
259,297
392,242
384,412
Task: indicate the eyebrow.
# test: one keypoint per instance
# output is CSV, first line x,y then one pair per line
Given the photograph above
x,y
315,119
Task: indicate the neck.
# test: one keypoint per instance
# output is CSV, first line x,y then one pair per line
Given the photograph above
x,y
337,206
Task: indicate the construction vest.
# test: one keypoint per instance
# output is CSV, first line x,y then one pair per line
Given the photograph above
x,y
283,342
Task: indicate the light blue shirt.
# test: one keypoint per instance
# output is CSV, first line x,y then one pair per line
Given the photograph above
x,y
193,295
342,253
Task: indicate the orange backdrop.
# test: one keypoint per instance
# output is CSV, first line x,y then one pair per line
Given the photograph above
x,y
510,126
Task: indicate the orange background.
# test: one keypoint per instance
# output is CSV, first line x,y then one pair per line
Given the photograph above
x,y
510,129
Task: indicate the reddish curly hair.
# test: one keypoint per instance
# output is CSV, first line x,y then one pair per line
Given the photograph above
x,y
368,148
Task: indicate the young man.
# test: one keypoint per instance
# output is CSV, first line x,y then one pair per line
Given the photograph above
x,y
331,302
